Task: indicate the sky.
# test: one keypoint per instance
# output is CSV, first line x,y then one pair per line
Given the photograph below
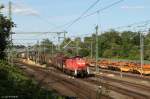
x,y
46,15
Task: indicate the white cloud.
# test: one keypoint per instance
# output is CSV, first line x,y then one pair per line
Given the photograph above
x,y
22,10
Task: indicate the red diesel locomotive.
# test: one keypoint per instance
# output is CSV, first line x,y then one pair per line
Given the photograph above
x,y
74,65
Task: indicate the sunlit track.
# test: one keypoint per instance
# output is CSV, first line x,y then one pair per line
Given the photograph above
x,y
126,90
137,86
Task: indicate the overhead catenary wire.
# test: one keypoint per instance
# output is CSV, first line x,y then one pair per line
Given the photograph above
x,y
144,24
125,26
104,8
70,23
132,24
45,32
74,21
41,18
84,16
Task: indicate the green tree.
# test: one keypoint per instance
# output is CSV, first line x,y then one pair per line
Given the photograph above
x,y
5,27
109,40
113,44
84,52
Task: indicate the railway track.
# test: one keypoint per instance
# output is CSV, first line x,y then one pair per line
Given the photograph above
x,y
124,74
90,85
72,85
137,86
137,89
126,88
82,89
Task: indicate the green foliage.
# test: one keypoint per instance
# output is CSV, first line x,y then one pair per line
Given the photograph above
x,y
14,83
84,52
113,44
5,27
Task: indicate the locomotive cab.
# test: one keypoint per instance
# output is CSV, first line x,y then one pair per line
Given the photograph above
x,y
77,65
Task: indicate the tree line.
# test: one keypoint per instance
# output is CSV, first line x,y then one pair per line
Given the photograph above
x,y
111,44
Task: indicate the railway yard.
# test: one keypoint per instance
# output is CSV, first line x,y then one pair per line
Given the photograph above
x,y
72,49
105,84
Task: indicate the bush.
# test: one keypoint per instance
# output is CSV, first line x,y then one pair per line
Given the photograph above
x,y
14,83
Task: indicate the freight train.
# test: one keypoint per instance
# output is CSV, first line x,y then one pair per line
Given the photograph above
x,y
80,66
75,66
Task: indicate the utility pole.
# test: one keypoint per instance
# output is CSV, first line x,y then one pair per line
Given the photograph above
x,y
141,52
10,18
97,69
65,32
11,43
10,11
58,41
59,37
